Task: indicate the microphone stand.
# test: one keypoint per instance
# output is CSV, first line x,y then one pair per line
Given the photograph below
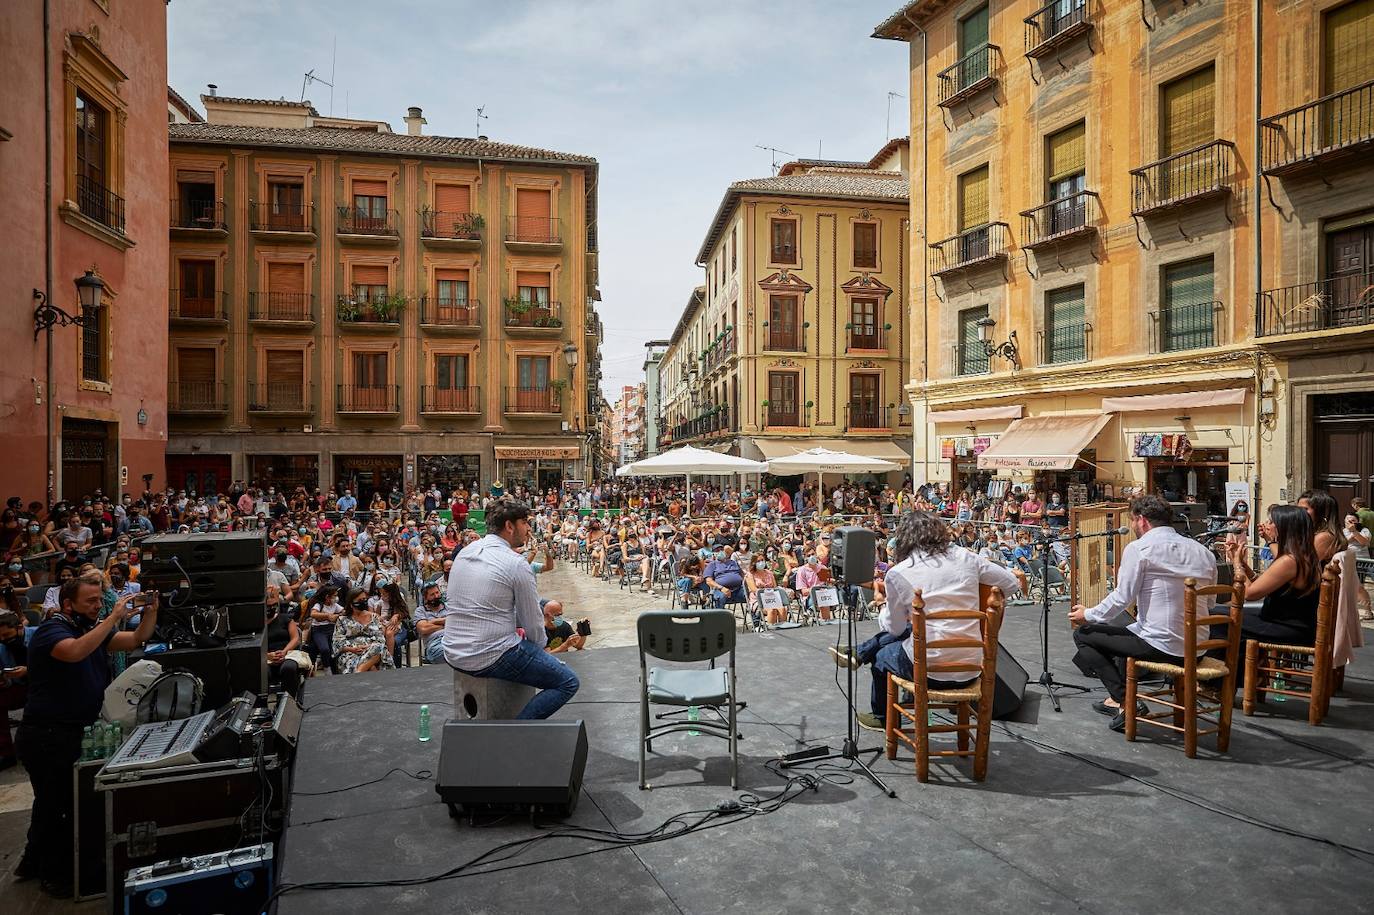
x,y
1046,678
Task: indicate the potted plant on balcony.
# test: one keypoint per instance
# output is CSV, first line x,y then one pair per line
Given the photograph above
x,y
349,309
516,309
387,309
469,225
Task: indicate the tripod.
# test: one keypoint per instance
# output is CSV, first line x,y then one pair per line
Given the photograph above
x,y
850,749
1046,679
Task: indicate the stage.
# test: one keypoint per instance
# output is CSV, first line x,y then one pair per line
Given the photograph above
x,y
1113,827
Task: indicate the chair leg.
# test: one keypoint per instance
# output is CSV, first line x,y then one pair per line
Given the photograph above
x,y
734,736
982,740
892,720
1338,679
643,730
1227,700
1189,716
1176,697
1128,708
1247,706
1321,689
921,706
963,727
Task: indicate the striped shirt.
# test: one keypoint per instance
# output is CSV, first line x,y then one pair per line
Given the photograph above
x,y
491,592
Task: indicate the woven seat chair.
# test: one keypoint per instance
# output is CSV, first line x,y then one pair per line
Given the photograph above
x,y
1180,704
1309,664
970,701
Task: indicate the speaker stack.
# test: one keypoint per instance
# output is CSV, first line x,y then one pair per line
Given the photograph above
x,y
219,576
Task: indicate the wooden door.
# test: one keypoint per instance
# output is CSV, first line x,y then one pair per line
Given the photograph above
x,y
782,399
1350,268
863,332
370,388
864,409
286,296
85,448
196,297
1343,446
286,210
285,381
782,323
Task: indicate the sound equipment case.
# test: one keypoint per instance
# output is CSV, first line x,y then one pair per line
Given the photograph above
x,y
203,552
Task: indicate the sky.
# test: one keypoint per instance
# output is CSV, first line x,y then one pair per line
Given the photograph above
x,y
672,98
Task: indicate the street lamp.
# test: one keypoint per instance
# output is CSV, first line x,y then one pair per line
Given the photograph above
x,y
1008,350
570,355
47,315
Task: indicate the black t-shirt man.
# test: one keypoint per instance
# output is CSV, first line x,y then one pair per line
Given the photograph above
x,y
61,692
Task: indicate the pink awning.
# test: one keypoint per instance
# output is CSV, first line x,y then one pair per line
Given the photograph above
x,y
1184,401
1043,442
977,414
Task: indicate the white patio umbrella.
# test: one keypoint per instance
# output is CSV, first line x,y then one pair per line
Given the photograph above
x,y
821,461
686,461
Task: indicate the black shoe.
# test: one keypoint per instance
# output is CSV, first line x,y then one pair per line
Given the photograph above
x,y
57,889
25,870
1101,706
1118,723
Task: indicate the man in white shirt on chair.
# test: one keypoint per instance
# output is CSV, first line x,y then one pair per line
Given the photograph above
x,y
1154,567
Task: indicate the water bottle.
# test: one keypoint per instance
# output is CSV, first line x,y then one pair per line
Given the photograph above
x,y
87,744
693,715
1280,683
116,737
424,723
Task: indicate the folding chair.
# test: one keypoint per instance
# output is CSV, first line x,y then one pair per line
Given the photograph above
x,y
704,636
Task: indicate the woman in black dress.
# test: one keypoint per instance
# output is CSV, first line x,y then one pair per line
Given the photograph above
x,y
1288,587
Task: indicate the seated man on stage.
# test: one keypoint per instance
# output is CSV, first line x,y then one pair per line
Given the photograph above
x,y
1154,567
494,627
947,577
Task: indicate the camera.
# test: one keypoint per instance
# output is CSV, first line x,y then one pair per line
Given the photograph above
x,y
584,627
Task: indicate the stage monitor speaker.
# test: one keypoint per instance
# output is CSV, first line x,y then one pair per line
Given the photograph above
x,y
853,554
1011,684
207,552
207,589
498,766
239,665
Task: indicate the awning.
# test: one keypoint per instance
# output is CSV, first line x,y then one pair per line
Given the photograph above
x,y
883,449
1184,401
977,414
1043,442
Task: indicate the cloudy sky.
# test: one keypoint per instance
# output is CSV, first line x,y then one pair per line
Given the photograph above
x,y
670,97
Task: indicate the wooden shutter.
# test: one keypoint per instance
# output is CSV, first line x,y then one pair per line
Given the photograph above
x,y
285,365
370,275
286,279
531,278
189,176
1348,58
196,364
1065,154
363,188
973,31
1065,307
973,199
865,244
1187,115
1188,284
529,202
452,198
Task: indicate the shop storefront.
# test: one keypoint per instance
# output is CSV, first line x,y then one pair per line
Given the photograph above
x,y
284,471
537,468
450,471
366,474
963,435
1049,454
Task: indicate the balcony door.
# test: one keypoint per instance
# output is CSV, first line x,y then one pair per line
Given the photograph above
x,y
286,206
863,331
370,388
1066,168
782,399
1187,120
286,296
285,383
973,37
369,206
532,384
783,328
864,406
533,215
451,391
196,298
1350,275
1348,62
196,377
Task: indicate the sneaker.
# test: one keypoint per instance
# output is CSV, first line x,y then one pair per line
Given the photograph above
x,y
843,658
1118,723
871,722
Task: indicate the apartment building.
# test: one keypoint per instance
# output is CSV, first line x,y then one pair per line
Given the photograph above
x,y
797,338
629,430
357,308
1146,240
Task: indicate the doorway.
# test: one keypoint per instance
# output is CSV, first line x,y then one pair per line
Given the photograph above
x,y
86,451
1343,446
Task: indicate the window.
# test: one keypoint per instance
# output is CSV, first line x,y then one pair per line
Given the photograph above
x,y
197,381
863,330
969,356
973,215
1347,62
1187,120
783,330
782,399
196,200
451,391
783,247
369,370
196,293
452,199
286,206
286,298
533,212
95,344
284,387
452,287
532,286
973,39
864,406
1065,169
369,206
370,391
532,372
866,245
1186,318
92,183
532,392
370,283
734,258
1349,271
1066,338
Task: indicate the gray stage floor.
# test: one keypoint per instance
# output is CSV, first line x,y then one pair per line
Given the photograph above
x,y
1071,817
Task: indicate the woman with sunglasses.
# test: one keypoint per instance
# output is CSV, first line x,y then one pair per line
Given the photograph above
x,y
361,642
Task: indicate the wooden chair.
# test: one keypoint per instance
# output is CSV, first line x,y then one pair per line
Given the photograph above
x,y
1182,704
972,700
1309,664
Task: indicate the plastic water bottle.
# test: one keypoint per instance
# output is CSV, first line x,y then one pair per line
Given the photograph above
x,y
424,723
116,737
1280,683
693,714
87,744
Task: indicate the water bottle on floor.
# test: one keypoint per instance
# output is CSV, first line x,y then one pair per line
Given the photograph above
x,y
1280,683
87,744
424,723
693,714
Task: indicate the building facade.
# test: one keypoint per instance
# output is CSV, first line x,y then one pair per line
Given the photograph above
x,y
653,396
356,308
630,424
82,165
796,340
1147,246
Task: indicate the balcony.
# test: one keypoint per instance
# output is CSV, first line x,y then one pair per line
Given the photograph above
x,y
592,325
283,398
969,359
785,338
868,338
1334,127
267,307
190,307
458,231
460,315
534,400
360,399
375,311
969,76
1184,327
866,418
197,397
1341,301
534,318
719,351
97,202
198,217
1055,25
437,401
786,416
1066,344
1201,173
975,247
1067,218
287,220
533,234
368,228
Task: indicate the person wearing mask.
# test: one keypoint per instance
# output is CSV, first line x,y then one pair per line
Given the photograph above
x,y
362,643
429,621
724,578
761,578
1056,513
561,635
13,680
322,610
283,638
68,669
285,564
808,578
347,503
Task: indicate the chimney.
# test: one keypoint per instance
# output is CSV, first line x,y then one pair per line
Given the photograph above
x,y
214,90
413,121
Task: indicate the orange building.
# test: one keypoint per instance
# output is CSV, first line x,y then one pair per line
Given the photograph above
x,y
359,308
83,155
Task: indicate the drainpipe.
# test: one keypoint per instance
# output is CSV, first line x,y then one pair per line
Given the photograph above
x,y
49,405
925,223
1257,204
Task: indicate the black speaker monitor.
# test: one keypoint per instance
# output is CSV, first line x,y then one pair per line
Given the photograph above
x,y
853,554
205,552
499,766
1011,684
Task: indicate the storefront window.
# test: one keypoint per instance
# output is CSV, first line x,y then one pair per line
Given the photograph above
x,y
286,471
366,474
450,471
1201,479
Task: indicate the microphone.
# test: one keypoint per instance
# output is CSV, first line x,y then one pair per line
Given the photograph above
x,y
1111,533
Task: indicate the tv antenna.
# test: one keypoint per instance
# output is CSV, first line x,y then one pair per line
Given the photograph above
x,y
890,96
310,77
480,118
775,152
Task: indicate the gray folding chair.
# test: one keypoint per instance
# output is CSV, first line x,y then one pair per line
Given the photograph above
x,y
704,635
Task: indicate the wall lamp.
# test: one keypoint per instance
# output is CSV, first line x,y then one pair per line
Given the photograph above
x,y
1007,350
47,315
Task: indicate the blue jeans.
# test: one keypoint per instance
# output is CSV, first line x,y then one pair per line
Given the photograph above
x,y
533,666
867,651
719,600
892,658
434,651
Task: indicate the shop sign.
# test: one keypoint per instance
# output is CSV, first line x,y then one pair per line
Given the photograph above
x,y
981,443
560,453
370,463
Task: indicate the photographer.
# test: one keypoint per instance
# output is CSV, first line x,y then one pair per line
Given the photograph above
x,y
561,635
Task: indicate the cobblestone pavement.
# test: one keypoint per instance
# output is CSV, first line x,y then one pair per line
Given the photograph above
x,y
611,609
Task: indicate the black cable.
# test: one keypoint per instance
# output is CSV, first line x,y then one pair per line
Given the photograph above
x,y
421,775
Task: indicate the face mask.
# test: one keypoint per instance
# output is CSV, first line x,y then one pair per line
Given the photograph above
x,y
892,544
116,581
811,560
382,581
16,567
787,547
33,528
760,566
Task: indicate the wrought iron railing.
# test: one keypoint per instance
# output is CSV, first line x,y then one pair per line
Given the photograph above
x,y
531,314
1340,301
1066,343
281,306
786,416
197,213
865,337
1341,122
1064,217
533,230
455,226
970,74
197,397
1182,327
1055,23
1195,173
281,217
188,305
441,311
969,359
865,416
359,398
280,397
369,308
355,221
970,247
534,400
434,399
100,203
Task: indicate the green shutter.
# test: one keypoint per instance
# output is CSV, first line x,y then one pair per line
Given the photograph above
x,y
970,359
1348,41
1065,319
1186,320
973,32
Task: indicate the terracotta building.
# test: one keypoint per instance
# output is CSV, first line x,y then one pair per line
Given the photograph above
x,y
797,338
83,156
1147,244
358,308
